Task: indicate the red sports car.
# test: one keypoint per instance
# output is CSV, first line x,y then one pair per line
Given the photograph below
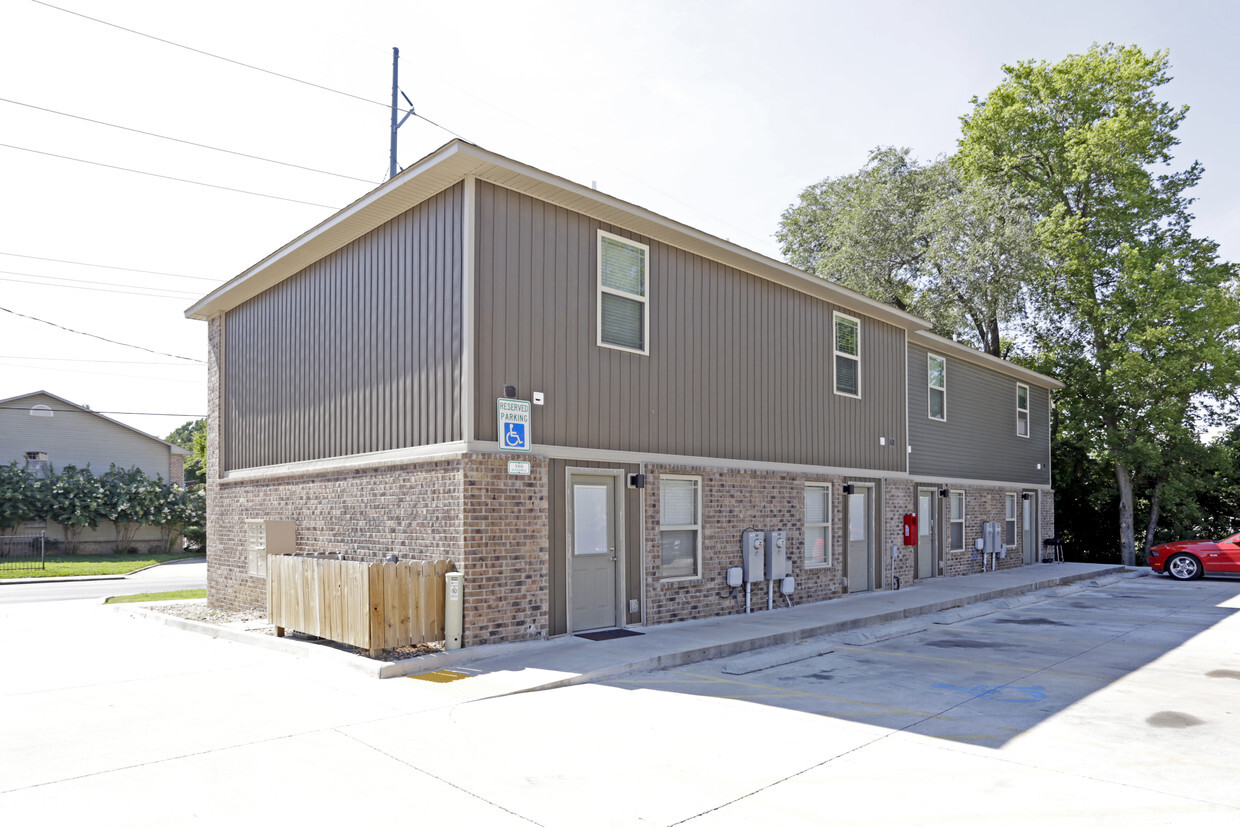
x,y
1189,559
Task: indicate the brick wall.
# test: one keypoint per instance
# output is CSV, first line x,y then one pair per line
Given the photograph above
x,y
732,502
506,550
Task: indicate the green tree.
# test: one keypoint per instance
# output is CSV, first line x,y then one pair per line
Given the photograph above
x,y
921,239
22,497
1136,315
192,436
131,500
75,499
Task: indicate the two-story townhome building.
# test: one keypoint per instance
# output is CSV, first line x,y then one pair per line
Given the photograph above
x,y
584,405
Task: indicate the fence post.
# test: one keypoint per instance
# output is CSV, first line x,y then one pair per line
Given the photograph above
x,y
43,551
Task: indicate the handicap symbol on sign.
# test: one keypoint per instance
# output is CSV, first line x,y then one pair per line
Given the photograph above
x,y
514,435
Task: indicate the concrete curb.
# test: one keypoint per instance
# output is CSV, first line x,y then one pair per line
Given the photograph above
x,y
86,578
1003,597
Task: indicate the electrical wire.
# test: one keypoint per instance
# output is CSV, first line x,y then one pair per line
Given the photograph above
x,y
102,338
189,143
98,361
99,290
189,294
166,177
113,267
271,72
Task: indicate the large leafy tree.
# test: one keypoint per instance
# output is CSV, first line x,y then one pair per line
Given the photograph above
x,y
919,238
1135,313
192,436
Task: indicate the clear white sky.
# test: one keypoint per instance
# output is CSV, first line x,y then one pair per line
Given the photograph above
x,y
714,113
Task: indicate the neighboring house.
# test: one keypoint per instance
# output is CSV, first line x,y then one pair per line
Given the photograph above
x,y
41,431
684,390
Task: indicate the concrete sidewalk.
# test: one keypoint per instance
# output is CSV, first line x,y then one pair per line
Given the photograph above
x,y
473,673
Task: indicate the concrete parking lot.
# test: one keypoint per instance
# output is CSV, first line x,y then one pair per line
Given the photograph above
x,y
112,719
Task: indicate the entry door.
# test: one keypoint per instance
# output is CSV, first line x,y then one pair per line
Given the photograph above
x,y
1029,526
860,541
592,551
927,558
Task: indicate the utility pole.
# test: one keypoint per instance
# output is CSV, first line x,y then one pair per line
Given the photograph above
x,y
396,124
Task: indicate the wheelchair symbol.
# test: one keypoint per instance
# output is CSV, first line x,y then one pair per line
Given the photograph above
x,y
514,435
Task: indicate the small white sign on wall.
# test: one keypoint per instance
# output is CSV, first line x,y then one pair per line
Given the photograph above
x,y
517,466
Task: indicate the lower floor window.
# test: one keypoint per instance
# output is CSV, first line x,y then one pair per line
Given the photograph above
x,y
1009,521
817,525
680,526
956,522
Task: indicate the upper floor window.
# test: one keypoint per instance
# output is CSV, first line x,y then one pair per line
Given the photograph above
x,y
936,381
847,355
1022,410
623,273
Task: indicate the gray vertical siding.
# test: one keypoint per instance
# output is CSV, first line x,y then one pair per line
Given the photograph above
x,y
739,368
359,352
978,440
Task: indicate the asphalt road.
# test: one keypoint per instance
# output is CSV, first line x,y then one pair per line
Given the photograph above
x,y
190,574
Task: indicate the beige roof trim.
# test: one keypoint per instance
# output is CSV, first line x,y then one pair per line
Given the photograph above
x,y
457,159
977,357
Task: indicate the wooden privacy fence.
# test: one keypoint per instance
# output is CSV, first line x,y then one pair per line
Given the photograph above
x,y
370,605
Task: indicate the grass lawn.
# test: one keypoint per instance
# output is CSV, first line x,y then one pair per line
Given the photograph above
x,y
184,594
86,564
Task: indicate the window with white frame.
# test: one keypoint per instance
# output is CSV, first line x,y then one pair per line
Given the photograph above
x,y
1009,521
1022,410
680,526
817,524
956,522
936,382
847,355
623,276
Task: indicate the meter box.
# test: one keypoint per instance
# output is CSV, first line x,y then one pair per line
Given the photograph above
x,y
753,556
777,555
992,539
263,537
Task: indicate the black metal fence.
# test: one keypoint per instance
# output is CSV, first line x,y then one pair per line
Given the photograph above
x,y
23,552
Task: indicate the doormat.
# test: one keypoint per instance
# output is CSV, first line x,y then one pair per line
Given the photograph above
x,y
609,634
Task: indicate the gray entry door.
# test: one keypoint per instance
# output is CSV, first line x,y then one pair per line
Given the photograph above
x,y
927,558
1029,526
592,551
860,541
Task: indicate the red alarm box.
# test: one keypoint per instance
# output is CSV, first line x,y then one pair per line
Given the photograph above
x,y
910,529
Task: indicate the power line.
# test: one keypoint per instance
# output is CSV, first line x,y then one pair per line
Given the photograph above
x,y
98,289
162,294
189,143
102,338
97,361
111,267
95,372
205,53
166,177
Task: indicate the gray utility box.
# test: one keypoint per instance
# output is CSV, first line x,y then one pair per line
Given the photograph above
x,y
777,555
992,539
753,556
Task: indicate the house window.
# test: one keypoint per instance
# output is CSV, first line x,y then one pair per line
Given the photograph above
x,y
680,526
936,381
956,522
817,525
1022,410
623,317
1009,520
38,464
847,355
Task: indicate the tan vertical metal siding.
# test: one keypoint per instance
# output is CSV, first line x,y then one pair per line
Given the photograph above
x,y
978,440
359,352
739,367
